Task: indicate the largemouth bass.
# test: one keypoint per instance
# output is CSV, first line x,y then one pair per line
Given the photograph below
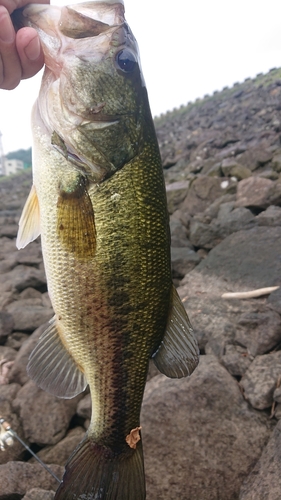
x,y
98,200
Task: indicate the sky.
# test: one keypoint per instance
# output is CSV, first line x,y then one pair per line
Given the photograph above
x,y
188,48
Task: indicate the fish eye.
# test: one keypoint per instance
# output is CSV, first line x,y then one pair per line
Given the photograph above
x,y
126,61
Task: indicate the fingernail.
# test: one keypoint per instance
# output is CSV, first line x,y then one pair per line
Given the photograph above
x,y
7,32
33,49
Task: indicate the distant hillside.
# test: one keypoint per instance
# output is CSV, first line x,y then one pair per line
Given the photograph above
x,y
241,123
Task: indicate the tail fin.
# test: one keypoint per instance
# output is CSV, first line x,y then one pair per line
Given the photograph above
x,y
94,472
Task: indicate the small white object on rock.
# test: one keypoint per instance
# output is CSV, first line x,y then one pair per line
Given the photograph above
x,y
224,184
250,294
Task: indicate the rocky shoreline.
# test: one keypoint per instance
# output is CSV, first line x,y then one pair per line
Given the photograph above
x,y
215,435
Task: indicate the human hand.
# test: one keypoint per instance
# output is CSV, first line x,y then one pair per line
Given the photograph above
x,y
21,55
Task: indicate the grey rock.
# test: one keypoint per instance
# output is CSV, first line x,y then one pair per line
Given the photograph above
x,y
30,255
231,168
16,340
183,260
202,192
269,174
213,209
276,162
240,172
277,411
204,421
259,331
274,195
213,319
260,380
18,372
203,235
84,407
39,494
236,360
264,481
176,193
181,216
31,293
45,418
228,221
255,156
277,395
8,392
212,169
60,452
254,192
227,165
7,294
178,234
7,353
6,325
7,247
22,277
237,261
29,314
270,217
9,230
17,478
46,301
224,210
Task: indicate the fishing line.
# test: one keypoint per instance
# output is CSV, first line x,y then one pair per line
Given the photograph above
x,y
7,435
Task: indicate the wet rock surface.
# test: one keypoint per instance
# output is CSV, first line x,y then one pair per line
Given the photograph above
x,y
209,436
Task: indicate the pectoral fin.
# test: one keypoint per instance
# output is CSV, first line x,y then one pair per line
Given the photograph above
x,y
29,223
53,368
178,354
76,221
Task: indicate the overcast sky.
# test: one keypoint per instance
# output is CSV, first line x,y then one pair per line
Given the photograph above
x,y
188,48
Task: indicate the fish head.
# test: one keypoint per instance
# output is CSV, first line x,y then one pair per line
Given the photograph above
x,y
93,101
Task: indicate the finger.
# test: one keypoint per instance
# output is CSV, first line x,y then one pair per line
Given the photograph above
x,y
10,66
11,5
29,51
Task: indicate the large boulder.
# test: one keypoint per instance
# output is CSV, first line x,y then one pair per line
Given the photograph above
x,y
200,436
264,481
248,258
16,478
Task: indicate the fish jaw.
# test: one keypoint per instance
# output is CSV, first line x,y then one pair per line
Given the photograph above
x,y
76,102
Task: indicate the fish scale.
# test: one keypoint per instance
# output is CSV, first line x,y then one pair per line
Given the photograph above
x,y
98,200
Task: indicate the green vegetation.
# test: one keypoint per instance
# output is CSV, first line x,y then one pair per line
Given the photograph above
x,y
21,154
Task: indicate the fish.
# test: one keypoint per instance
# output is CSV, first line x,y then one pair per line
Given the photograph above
x,y
98,201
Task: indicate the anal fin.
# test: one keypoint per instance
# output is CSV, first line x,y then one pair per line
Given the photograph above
x,y
29,223
178,354
53,368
